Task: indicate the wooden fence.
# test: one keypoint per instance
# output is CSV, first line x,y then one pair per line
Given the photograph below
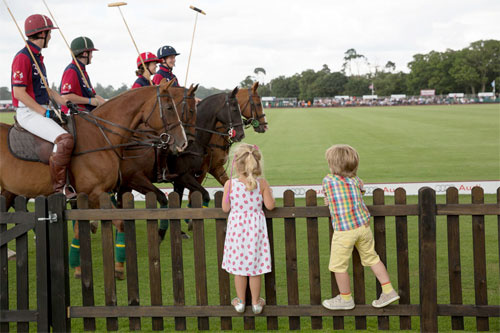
x,y
53,274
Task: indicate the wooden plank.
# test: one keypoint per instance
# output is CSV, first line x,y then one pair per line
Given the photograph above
x,y
224,284
272,310
17,316
270,280
291,260
4,270
358,276
177,262
454,266
59,270
15,218
200,267
87,278
17,231
469,310
278,212
380,247
108,261
468,209
479,252
427,260
498,228
154,261
338,322
313,255
131,259
402,258
42,265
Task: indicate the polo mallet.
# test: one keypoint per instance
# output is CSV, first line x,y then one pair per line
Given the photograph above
x,y
197,10
44,80
118,5
70,51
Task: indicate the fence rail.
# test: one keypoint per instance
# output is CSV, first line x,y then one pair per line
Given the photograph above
x,y
62,310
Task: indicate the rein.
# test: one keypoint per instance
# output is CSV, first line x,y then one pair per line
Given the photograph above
x,y
186,113
230,129
153,141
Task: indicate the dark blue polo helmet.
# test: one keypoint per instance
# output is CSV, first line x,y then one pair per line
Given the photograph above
x,y
166,51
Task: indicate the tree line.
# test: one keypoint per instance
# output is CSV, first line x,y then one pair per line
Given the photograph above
x,y
469,70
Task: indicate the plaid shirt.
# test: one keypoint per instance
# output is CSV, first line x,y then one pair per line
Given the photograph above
x,y
347,209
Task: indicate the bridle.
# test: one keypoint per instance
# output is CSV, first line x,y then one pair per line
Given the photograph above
x,y
187,113
165,137
254,119
229,131
152,140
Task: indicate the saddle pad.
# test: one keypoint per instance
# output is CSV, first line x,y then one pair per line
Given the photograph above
x,y
26,146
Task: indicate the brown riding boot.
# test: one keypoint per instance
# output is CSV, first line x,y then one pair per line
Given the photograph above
x,y
59,162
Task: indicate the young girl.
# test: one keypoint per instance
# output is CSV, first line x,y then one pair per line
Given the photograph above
x,y
246,249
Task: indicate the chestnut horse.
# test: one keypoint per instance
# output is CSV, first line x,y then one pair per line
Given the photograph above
x,y
98,148
139,166
217,156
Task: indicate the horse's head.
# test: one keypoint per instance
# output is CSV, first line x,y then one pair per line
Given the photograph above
x,y
230,116
186,108
251,108
164,119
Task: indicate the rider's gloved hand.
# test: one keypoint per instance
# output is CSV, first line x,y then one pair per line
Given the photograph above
x,y
52,115
73,108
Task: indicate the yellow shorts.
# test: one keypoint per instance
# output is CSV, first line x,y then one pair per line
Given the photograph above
x,y
343,243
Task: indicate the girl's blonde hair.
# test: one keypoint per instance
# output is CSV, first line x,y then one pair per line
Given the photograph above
x,y
247,160
343,160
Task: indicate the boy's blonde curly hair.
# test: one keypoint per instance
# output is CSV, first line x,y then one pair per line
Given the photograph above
x,y
343,160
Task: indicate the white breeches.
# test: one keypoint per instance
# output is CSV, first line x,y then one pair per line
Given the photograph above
x,y
39,125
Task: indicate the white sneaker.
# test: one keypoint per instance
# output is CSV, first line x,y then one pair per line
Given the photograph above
x,y
385,299
338,303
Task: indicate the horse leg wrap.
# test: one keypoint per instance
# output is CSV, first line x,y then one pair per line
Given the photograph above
x,y
113,199
205,204
74,253
120,247
188,220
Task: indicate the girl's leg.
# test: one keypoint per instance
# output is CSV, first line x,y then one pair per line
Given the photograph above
x,y
240,283
255,282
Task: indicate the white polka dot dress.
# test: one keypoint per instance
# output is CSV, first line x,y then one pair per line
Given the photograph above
x,y
246,248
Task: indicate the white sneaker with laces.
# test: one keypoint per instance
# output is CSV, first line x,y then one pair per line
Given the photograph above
x,y
385,299
338,303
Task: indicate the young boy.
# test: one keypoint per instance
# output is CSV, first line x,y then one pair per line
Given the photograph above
x,y
351,224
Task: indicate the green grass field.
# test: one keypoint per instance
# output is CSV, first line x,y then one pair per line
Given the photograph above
x,y
427,143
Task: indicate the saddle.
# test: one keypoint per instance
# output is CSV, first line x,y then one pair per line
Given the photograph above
x,y
29,147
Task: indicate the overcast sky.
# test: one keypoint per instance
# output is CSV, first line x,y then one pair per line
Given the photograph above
x,y
283,37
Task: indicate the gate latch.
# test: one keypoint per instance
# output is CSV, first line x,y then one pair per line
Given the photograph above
x,y
52,218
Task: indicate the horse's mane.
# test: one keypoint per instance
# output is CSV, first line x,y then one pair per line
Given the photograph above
x,y
209,99
123,94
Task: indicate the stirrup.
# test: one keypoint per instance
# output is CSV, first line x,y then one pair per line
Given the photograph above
x,y
68,188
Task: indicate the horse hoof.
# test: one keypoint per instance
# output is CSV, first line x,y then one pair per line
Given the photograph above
x,y
184,235
93,226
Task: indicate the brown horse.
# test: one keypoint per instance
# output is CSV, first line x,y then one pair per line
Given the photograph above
x,y
97,153
139,166
251,109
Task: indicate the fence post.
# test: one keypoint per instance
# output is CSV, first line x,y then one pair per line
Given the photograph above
x,y
59,274
427,259
42,267
4,270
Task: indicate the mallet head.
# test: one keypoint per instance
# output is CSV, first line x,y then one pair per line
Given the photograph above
x,y
117,4
197,10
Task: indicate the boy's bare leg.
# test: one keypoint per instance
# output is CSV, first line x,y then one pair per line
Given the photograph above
x,y
380,272
343,282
